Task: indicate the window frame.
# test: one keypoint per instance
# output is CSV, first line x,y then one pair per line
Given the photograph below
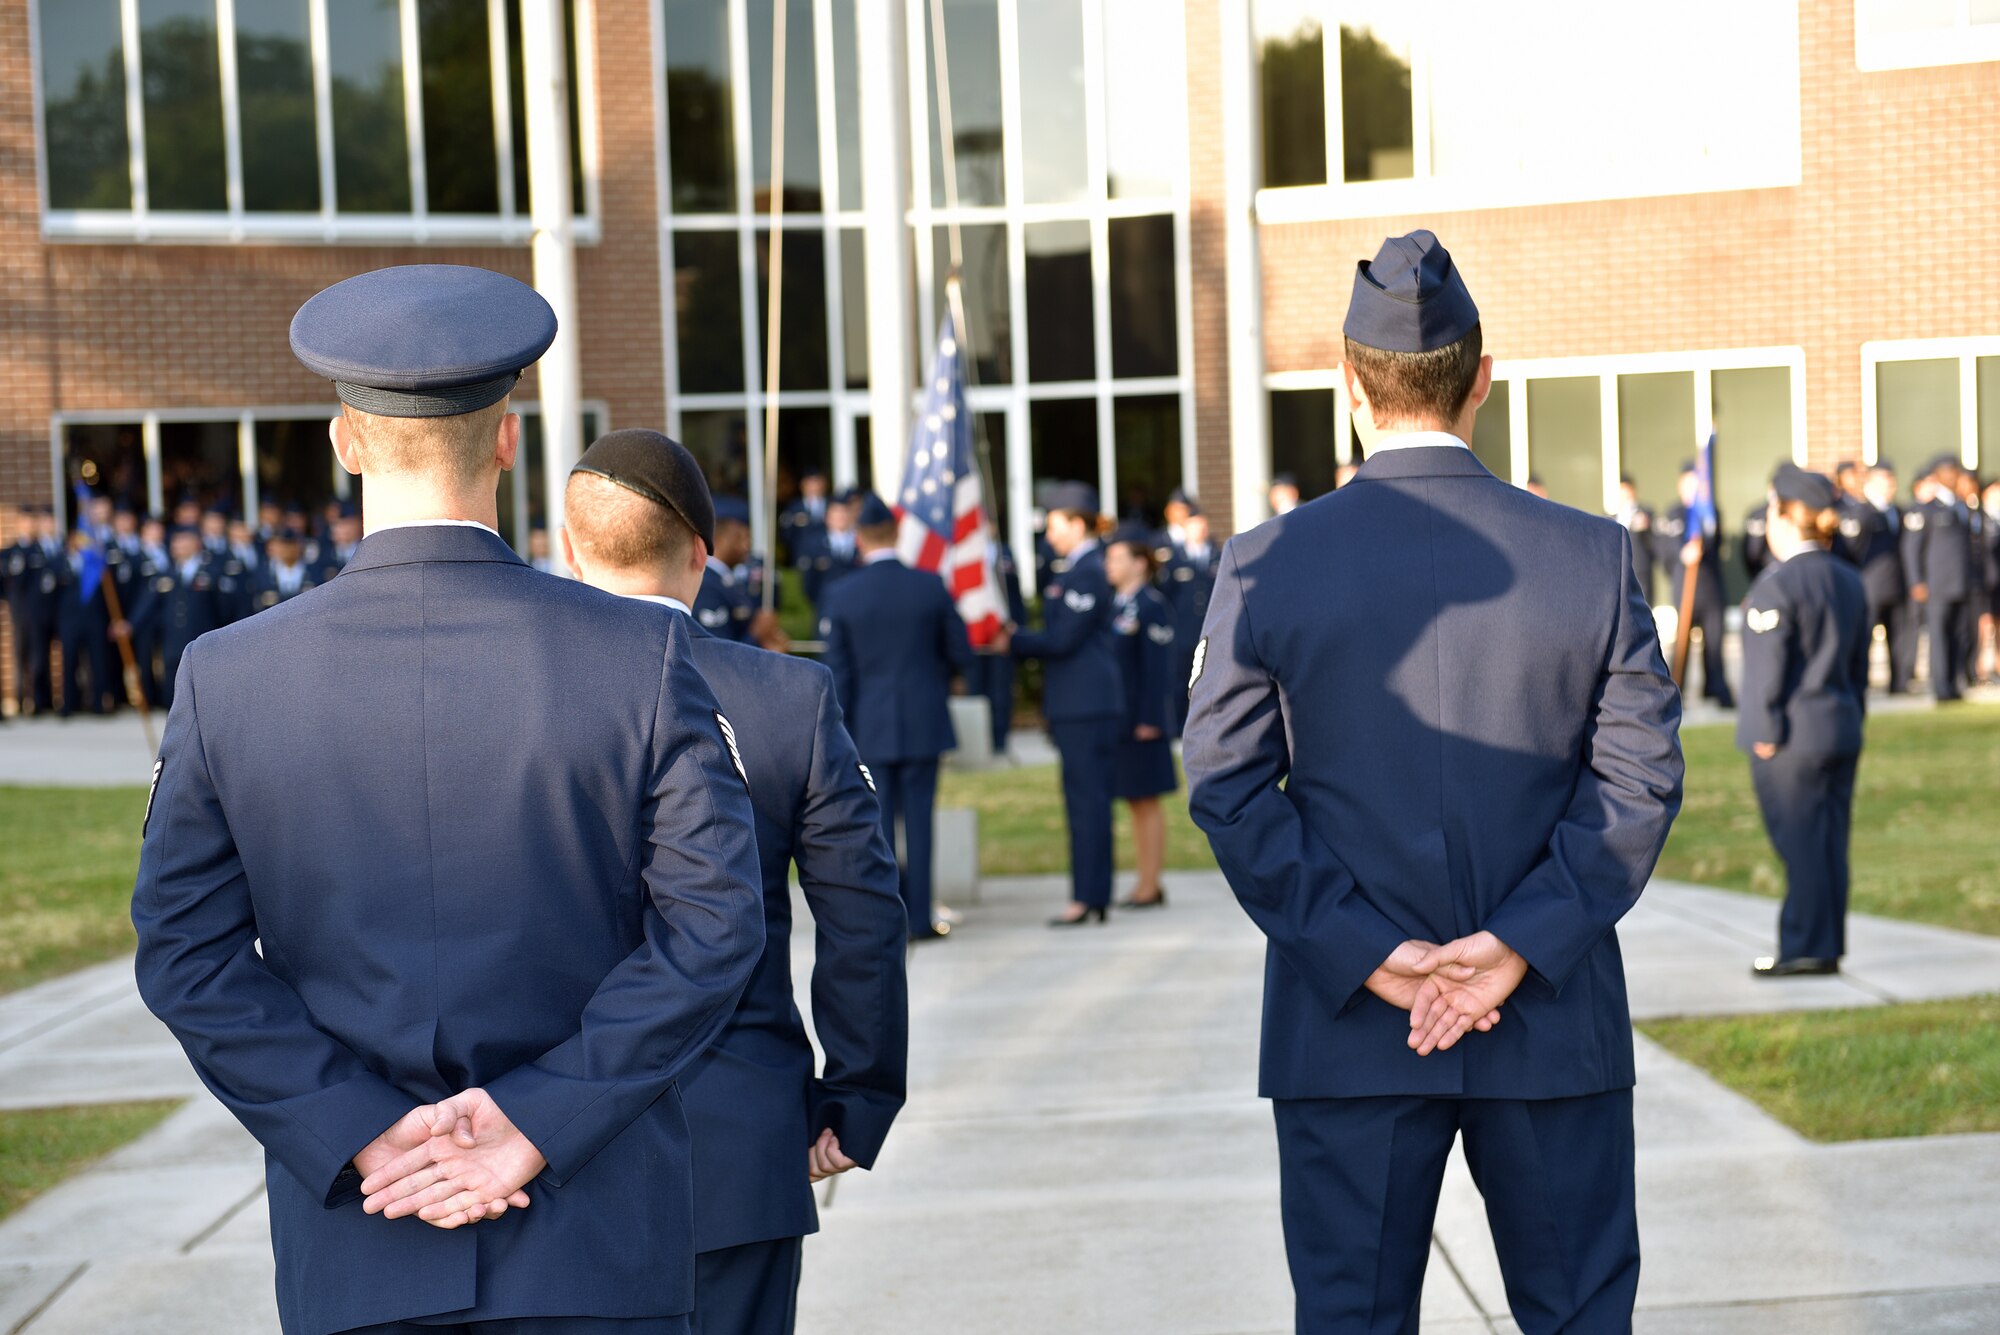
x,y
1963,43
1966,351
1097,208
328,225
1605,369
1423,192
246,419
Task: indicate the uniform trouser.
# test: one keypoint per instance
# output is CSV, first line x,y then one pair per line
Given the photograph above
x,y
146,649
84,661
1899,628
1942,625
1359,1181
537,1325
747,1290
993,677
1708,618
909,788
1967,631
1089,751
1808,806
32,640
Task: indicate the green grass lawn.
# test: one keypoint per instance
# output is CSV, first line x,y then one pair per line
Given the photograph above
x,y
1926,1069
1926,837
1926,819
67,859
41,1147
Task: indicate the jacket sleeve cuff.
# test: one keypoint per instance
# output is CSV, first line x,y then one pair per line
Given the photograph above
x,y
338,1122
1546,935
860,1121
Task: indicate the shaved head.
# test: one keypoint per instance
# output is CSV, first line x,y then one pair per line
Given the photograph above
x,y
453,450
621,529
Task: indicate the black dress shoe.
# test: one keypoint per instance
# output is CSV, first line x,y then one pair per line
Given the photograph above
x,y
937,931
1090,912
1158,901
1804,966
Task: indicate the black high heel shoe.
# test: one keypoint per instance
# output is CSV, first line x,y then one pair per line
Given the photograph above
x,y
1097,912
1159,901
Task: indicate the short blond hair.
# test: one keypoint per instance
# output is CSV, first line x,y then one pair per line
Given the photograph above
x,y
455,450
620,528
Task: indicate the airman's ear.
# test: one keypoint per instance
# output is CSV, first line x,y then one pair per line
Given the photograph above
x,y
346,445
507,441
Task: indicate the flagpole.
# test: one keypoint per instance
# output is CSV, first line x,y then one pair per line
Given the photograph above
x,y
1684,623
123,638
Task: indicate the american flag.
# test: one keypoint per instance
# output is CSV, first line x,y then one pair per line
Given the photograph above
x,y
941,509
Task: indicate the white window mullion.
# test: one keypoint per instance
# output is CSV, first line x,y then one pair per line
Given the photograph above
x,y
1013,190
746,262
246,464
1420,109
1096,195
323,112
149,442
1607,410
830,202
1336,157
1518,460
924,247
135,115
503,102
670,369
232,110
413,117
1968,412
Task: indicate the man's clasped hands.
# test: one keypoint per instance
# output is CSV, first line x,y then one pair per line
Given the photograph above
x,y
461,1160
1449,990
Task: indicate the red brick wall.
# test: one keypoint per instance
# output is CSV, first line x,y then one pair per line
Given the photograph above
x,y
1889,235
149,326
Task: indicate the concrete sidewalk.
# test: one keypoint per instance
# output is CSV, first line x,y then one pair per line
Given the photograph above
x,y
1083,1152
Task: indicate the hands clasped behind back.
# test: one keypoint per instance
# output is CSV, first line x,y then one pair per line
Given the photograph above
x,y
452,1163
1449,990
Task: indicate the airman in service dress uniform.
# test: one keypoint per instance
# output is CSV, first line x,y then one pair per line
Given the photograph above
x,y
1083,697
1805,697
31,604
894,640
1878,553
639,521
1676,547
1143,631
1430,707
1937,563
448,875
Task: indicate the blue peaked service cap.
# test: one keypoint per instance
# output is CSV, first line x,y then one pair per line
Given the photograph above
x,y
1074,497
1410,297
423,340
871,511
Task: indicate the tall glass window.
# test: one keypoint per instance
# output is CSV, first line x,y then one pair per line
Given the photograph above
x,y
235,140
83,106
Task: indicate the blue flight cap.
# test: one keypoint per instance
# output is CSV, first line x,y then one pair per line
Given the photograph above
x,y
1409,298
1793,483
659,468
1285,480
872,511
731,510
1134,533
1941,463
1075,497
423,340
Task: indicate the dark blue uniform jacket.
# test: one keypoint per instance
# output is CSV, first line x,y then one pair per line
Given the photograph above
x,y
753,1100
1080,677
893,639
485,827
1460,689
1805,658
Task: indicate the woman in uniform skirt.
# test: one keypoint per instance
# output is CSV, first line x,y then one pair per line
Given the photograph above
x,y
1805,682
1143,626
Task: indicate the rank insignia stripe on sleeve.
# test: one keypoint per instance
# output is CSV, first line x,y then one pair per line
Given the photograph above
x,y
735,756
1200,661
152,790
1760,620
866,777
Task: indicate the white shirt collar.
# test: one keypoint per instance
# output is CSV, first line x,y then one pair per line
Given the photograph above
x,y
728,575
1416,440
435,523
1083,548
879,555
661,599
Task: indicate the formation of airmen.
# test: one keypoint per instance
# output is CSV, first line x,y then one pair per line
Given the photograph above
x,y
156,585
1930,567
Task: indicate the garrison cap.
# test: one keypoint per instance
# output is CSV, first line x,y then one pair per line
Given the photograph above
x,y
423,340
871,511
1793,483
1409,298
659,468
1074,497
731,510
1133,533
1939,464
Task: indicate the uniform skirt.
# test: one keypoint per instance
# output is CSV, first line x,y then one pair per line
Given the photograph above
x,y
1144,769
